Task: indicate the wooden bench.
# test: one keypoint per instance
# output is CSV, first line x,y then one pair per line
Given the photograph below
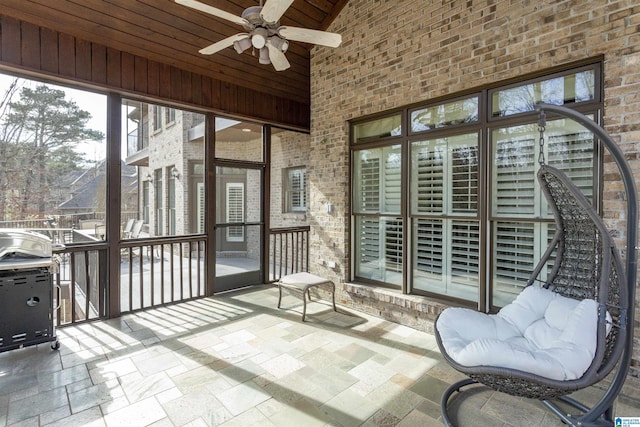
x,y
303,282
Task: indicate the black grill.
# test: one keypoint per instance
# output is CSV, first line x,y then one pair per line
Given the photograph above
x,y
26,290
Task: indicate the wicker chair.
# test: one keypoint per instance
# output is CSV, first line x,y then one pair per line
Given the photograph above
x,y
586,265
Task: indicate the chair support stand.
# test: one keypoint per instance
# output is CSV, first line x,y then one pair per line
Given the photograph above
x,y
605,404
589,418
601,413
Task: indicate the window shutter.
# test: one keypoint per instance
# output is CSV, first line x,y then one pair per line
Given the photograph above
x,y
392,182
429,181
465,242
573,154
200,194
429,247
514,179
235,211
514,254
370,185
393,245
464,180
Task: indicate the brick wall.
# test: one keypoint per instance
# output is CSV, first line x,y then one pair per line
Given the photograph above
x,y
288,149
397,53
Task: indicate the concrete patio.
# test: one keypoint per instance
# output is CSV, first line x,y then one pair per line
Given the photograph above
x,y
236,360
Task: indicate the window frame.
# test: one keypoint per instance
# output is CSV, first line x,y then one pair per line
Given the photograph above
x,y
289,191
483,126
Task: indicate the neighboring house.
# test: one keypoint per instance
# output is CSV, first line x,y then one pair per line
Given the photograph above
x,y
81,189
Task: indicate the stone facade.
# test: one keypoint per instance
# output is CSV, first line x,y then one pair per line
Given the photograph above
x,y
398,53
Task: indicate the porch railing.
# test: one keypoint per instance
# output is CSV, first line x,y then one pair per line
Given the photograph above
x,y
161,271
153,271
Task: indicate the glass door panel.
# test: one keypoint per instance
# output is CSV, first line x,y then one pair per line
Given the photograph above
x,y
239,228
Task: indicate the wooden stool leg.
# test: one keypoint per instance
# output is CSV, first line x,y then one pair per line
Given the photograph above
x,y
333,297
304,307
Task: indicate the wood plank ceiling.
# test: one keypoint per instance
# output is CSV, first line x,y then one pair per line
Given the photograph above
x,y
169,33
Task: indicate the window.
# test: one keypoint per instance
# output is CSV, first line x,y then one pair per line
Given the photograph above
x,y
450,206
444,209
145,201
169,115
377,202
157,117
295,185
159,202
171,200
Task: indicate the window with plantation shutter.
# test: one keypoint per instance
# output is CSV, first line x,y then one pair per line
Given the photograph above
x,y
377,198
235,211
450,186
444,183
514,176
295,189
517,245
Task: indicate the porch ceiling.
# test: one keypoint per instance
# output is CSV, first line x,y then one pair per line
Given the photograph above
x,y
169,33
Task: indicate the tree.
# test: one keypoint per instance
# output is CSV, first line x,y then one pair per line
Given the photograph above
x,y
38,133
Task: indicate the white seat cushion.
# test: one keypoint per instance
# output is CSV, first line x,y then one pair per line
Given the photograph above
x,y
541,332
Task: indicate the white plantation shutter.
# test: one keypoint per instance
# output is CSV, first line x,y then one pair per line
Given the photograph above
x,y
445,182
369,186
428,181
428,254
393,245
200,206
573,154
377,191
514,177
392,183
465,243
514,249
296,188
518,245
369,248
235,211
464,180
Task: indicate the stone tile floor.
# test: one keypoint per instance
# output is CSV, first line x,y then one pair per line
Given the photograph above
x,y
236,360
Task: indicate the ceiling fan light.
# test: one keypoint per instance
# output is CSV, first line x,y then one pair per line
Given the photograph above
x,y
264,56
259,38
242,45
281,44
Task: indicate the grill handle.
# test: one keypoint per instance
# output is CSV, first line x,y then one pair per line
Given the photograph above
x,y
58,296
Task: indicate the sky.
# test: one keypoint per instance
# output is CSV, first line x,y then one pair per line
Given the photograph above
x,y
95,104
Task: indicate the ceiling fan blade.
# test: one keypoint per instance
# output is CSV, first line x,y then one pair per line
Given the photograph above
x,y
212,11
222,44
273,10
306,35
279,61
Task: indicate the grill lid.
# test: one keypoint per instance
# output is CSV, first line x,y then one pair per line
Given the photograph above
x,y
24,244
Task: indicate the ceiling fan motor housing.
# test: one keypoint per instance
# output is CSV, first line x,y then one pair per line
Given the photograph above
x,y
260,31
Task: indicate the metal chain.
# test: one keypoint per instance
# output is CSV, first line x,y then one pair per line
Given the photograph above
x,y
542,121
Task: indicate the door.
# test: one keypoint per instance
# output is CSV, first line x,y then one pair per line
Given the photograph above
x,y
239,227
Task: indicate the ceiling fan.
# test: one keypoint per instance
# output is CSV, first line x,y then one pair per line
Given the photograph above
x,y
264,32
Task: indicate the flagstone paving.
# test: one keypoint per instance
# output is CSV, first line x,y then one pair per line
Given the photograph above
x,y
236,360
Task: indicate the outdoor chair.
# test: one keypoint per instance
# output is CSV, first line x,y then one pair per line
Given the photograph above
x,y
571,331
